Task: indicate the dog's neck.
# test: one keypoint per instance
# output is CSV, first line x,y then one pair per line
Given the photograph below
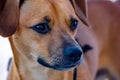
x,y
25,69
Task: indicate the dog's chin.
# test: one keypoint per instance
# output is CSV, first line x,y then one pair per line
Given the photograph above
x,y
56,67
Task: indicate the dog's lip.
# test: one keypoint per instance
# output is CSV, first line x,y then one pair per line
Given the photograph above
x,y
65,68
41,61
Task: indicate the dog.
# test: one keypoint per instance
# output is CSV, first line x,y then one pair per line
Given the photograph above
x,y
103,17
42,35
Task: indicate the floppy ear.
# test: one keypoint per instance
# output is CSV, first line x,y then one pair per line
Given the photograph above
x,y
9,17
80,9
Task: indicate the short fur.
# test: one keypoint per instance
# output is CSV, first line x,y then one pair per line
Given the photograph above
x,y
28,45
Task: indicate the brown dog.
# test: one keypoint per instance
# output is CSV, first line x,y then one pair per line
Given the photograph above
x,y
105,21
44,39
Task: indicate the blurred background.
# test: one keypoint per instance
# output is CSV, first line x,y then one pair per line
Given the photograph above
x,y
5,54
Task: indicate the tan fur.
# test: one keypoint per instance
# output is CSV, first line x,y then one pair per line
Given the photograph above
x,y
28,44
38,44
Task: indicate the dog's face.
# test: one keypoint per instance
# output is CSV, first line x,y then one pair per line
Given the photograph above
x,y
46,32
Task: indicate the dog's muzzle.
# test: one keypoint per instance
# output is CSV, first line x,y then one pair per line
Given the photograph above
x,y
69,59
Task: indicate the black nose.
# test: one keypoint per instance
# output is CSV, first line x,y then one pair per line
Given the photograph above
x,y
72,53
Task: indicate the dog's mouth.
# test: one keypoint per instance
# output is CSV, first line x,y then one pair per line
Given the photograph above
x,y
62,65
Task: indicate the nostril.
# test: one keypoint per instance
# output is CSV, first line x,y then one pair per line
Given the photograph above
x,y
73,53
74,57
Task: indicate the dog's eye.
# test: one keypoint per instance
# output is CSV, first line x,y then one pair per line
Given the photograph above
x,y
74,23
41,28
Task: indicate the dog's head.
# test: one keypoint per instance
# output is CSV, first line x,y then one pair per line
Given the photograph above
x,y
46,32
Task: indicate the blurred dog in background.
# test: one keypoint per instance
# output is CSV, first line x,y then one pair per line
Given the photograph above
x,y
105,22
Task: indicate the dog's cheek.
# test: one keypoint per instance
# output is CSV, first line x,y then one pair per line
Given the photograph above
x,y
39,45
21,44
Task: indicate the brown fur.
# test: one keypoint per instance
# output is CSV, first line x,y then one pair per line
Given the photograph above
x,y
88,68
9,16
105,21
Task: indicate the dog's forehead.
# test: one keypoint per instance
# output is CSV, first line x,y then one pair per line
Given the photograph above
x,y
38,9
63,5
47,5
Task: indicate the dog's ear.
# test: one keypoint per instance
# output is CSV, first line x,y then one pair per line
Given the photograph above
x,y
81,10
9,17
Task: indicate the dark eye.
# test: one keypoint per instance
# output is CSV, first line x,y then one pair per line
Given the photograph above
x,y
74,23
41,28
